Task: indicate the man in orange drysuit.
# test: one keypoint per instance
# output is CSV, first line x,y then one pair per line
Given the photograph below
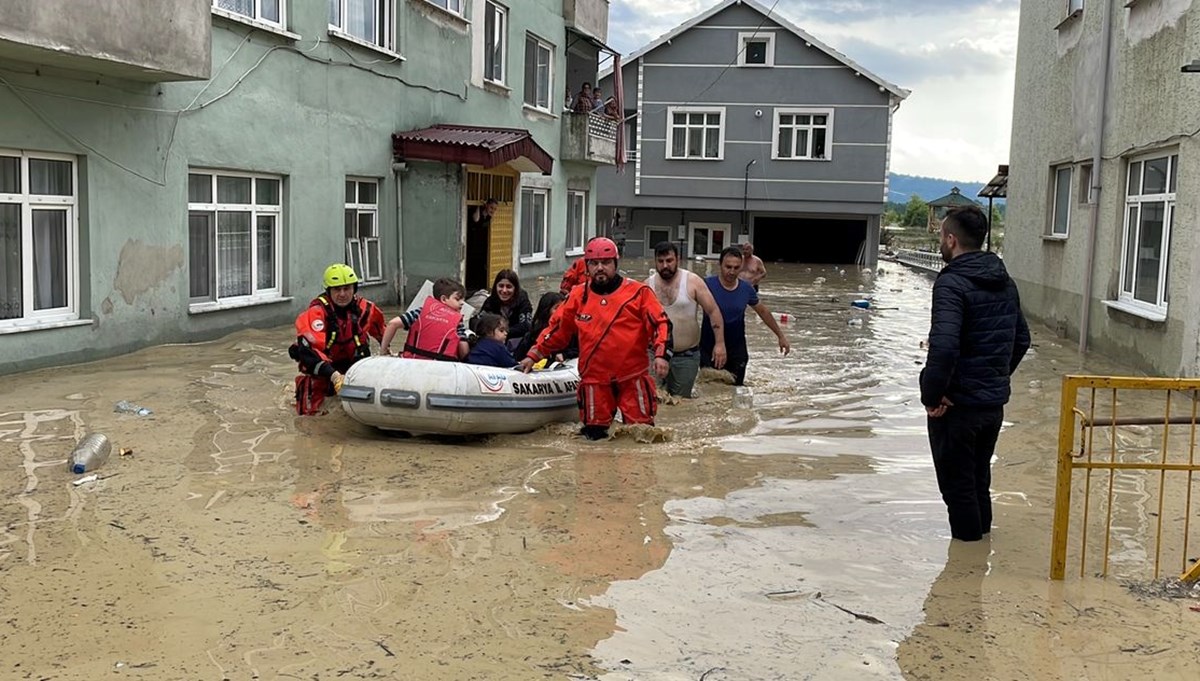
x,y
333,333
616,320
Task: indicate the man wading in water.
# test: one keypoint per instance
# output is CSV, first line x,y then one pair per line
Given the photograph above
x,y
616,320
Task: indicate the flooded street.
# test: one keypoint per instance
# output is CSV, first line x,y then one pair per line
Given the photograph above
x,y
800,538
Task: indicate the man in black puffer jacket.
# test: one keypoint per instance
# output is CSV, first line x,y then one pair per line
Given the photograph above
x,y
976,340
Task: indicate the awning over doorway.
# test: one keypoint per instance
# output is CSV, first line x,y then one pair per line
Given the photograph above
x,y
476,145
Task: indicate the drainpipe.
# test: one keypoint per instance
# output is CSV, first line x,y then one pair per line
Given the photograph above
x,y
1097,158
745,197
398,170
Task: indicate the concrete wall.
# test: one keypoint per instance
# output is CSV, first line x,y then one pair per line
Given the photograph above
x,y
850,181
1151,107
588,16
132,39
312,109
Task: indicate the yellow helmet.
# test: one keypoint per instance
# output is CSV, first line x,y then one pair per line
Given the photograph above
x,y
339,275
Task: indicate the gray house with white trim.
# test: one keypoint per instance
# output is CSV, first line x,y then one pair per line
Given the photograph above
x,y
741,126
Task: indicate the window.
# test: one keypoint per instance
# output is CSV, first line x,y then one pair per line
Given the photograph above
x,y
370,21
362,228
534,221
1060,205
539,59
233,236
696,133
708,239
267,11
655,236
756,49
802,134
1149,217
454,6
631,139
38,235
1085,183
495,42
577,202
1074,6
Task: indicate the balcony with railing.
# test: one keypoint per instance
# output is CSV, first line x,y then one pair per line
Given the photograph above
x,y
589,138
131,39
589,17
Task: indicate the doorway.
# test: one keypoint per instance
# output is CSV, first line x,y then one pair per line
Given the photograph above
x,y
488,244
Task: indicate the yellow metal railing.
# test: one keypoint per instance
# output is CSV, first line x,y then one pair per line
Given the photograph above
x,y
1137,453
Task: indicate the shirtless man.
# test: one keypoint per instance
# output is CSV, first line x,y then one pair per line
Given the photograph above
x,y
753,269
680,292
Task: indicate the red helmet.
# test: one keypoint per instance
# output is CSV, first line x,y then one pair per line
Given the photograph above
x,y
600,248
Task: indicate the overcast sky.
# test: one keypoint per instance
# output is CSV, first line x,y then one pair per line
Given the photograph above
x,y
957,57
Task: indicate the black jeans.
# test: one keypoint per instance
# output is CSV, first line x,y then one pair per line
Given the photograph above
x,y
963,441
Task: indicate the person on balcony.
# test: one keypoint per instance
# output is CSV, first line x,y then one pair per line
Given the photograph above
x,y
584,101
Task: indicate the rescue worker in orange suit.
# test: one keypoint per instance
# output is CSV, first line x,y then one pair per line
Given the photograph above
x,y
332,334
576,274
615,320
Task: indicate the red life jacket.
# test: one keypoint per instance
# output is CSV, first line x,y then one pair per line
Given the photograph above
x,y
434,335
345,337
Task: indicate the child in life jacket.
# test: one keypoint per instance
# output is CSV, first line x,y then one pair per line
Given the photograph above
x,y
492,350
436,330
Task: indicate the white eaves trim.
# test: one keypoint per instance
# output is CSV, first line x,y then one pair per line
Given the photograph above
x,y
752,4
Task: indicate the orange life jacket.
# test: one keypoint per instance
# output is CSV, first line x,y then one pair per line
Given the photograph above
x,y
434,335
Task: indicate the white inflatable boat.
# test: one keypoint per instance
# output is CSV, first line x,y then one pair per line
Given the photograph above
x,y
451,398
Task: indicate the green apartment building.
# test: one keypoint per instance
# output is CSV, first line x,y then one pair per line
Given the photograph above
x,y
176,171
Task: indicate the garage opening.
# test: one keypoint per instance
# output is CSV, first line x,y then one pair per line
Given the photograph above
x,y
808,240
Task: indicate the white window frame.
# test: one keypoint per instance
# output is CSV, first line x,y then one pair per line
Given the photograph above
x,y
525,251
710,227
31,318
536,103
385,42
256,295
1058,185
577,210
358,247
455,7
811,127
744,39
1134,201
1074,6
257,15
671,126
500,30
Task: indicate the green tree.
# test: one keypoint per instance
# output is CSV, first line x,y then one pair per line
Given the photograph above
x,y
916,212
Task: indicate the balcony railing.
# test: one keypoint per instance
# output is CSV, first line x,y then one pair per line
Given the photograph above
x,y
590,138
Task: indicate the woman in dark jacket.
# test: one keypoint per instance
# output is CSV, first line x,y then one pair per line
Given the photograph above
x,y
548,303
509,301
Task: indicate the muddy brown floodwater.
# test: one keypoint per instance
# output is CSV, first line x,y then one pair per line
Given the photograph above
x,y
802,538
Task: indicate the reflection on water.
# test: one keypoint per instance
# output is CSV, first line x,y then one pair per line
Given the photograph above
x,y
867,526
796,536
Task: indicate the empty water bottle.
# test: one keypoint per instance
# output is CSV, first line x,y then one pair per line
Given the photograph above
x,y
91,453
743,397
126,407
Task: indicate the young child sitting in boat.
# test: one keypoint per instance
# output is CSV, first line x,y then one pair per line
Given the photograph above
x,y
436,330
491,349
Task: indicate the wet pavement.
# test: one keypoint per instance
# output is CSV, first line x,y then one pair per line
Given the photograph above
x,y
802,538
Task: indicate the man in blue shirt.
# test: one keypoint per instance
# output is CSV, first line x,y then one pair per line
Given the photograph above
x,y
733,296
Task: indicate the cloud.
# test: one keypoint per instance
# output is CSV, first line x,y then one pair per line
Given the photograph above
x,y
957,56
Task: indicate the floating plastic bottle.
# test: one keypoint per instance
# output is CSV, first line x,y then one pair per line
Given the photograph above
x,y
91,453
126,407
863,303
743,397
